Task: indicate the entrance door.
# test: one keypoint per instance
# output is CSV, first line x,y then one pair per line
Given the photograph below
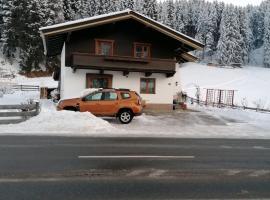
x,y
98,81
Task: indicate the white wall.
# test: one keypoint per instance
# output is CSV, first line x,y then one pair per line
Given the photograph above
x,y
74,83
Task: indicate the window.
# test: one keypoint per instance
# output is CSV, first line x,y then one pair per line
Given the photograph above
x,y
141,50
148,86
104,47
110,96
125,95
94,97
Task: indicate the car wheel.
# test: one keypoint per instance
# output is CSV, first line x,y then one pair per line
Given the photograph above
x,y
125,116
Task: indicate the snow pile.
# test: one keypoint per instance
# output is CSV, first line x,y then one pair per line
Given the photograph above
x,y
62,123
251,83
18,97
40,81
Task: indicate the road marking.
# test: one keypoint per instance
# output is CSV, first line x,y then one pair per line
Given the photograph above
x,y
260,147
225,147
259,173
137,156
233,172
136,172
157,173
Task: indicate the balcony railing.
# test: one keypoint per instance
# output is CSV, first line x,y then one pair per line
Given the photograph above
x,y
123,63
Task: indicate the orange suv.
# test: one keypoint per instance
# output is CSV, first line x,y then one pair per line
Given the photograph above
x,y
121,103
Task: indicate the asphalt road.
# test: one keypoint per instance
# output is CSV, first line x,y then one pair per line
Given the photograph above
x,y
133,168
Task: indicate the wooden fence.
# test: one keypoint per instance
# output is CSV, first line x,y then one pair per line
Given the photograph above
x,y
25,87
12,114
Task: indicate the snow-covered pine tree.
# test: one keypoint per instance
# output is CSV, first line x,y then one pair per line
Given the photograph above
x,y
149,8
219,7
266,56
104,6
71,8
229,45
169,12
180,15
210,45
245,31
257,26
9,36
51,12
202,27
124,4
30,44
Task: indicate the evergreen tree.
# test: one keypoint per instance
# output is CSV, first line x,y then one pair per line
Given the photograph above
x,y
71,8
245,31
125,4
149,8
267,37
229,45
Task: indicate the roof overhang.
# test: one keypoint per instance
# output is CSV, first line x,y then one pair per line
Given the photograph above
x,y
60,31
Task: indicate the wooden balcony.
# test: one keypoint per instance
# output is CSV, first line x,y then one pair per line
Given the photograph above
x,y
123,63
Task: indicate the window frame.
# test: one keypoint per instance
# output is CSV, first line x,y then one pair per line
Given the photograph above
x,y
147,83
122,95
98,46
148,45
103,96
92,94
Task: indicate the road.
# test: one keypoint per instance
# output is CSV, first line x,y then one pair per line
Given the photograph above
x,y
133,168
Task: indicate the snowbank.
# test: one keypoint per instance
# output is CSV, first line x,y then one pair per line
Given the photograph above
x,y
18,97
60,123
250,83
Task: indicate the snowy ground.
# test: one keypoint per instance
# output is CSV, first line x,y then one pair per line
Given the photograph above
x,y
204,123
251,83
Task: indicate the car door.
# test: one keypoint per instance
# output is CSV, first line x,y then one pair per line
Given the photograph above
x,y
109,103
91,103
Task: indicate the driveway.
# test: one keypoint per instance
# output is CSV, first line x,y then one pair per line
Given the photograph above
x,y
193,124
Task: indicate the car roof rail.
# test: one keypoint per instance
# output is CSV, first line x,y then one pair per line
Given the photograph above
x,y
123,89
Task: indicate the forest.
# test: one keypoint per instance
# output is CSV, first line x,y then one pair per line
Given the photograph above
x,y
230,33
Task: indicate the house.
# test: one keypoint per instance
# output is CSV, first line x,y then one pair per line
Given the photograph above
x,y
120,50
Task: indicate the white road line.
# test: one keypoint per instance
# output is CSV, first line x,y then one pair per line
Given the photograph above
x,y
157,173
257,173
137,156
136,172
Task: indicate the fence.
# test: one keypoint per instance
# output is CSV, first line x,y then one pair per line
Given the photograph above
x,y
223,105
12,114
25,87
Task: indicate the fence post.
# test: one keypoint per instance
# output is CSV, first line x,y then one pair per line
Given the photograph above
x,y
37,108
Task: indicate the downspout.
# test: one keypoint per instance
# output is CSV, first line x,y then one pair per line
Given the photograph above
x,y
44,43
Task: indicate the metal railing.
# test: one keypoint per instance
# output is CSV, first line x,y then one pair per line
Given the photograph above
x,y
12,114
25,87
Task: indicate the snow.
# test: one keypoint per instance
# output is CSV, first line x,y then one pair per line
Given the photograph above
x,y
84,20
203,122
199,122
9,70
60,123
40,81
19,97
250,83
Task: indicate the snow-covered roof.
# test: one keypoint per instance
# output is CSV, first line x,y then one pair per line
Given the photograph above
x,y
74,22
80,24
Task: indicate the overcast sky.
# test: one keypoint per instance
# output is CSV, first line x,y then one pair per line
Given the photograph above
x,y
239,2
